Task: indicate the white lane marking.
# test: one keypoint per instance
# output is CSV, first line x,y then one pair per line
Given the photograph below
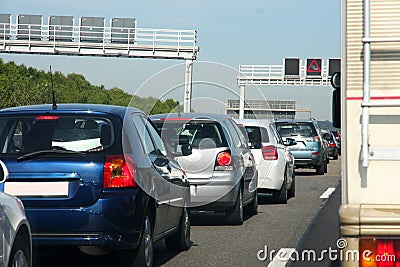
x,y
281,257
328,192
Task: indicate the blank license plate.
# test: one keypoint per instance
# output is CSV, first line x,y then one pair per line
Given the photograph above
x,y
37,189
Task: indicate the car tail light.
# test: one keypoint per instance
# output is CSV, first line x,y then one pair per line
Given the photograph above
x,y
379,252
315,153
269,152
47,118
119,171
224,161
332,144
316,138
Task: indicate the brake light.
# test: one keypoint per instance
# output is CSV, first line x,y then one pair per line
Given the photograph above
x,y
316,139
332,144
315,153
47,118
376,252
119,172
269,152
224,158
224,161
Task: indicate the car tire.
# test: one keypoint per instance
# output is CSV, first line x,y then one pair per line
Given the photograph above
x,y
292,190
19,253
180,241
320,169
281,196
326,167
252,208
145,255
235,217
336,156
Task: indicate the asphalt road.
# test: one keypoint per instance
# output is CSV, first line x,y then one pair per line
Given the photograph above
x,y
306,221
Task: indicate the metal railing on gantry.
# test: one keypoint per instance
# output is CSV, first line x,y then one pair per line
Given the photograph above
x,y
94,39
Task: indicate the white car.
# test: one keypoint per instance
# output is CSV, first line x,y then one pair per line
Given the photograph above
x,y
274,161
15,233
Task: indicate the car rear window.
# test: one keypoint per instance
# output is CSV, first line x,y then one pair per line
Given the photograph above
x,y
303,129
24,134
200,134
257,136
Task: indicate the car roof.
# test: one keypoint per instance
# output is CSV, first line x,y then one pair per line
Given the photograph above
x,y
254,122
117,110
190,116
296,120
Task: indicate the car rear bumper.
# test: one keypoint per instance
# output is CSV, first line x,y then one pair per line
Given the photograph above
x,y
113,221
308,162
270,175
217,194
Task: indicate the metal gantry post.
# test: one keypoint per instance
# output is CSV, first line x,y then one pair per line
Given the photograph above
x,y
241,102
187,103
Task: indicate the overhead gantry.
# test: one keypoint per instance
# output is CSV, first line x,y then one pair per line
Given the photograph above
x,y
96,36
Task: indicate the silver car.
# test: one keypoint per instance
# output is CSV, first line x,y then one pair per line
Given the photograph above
x,y
15,233
220,167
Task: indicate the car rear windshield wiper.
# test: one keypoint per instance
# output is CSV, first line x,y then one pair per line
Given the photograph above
x,y
39,153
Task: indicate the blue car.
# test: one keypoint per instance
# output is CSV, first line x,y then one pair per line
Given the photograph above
x,y
96,177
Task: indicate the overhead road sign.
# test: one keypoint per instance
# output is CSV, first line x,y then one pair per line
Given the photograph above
x,y
123,30
292,67
334,66
29,27
92,29
5,23
314,67
61,28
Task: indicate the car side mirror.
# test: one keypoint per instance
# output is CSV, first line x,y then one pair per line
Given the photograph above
x,y
290,142
161,161
186,150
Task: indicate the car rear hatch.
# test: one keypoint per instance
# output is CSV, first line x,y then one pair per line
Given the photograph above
x,y
305,135
56,160
205,137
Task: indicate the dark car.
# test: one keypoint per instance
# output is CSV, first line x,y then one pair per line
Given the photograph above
x,y
333,146
336,133
221,169
96,177
310,150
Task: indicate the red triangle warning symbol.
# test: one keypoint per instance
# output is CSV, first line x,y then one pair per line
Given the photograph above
x,y
314,66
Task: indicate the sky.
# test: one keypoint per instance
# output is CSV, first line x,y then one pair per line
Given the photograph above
x,y
229,34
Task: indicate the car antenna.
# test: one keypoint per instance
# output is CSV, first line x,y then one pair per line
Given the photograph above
x,y
52,90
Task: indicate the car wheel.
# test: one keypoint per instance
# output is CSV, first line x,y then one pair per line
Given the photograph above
x,y
320,169
19,254
180,241
235,216
281,196
144,256
252,208
292,191
336,156
326,167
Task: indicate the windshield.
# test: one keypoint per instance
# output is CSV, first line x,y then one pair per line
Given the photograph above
x,y
303,129
26,134
257,136
199,134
